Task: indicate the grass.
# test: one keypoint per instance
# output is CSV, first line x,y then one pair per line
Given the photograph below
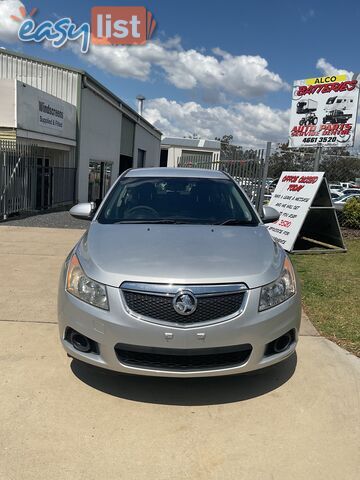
x,y
330,294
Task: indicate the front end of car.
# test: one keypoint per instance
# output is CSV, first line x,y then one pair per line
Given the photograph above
x,y
178,329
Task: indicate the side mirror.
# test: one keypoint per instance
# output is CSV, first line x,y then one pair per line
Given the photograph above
x,y
84,211
270,214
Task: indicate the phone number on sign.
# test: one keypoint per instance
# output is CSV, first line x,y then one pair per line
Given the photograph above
x,y
319,139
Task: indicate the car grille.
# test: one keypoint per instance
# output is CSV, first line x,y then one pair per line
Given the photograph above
x,y
210,307
182,360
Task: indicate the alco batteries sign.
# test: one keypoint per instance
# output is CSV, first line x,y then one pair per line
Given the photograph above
x,y
323,112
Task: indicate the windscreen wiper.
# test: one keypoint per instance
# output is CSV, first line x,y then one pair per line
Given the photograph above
x,y
235,221
156,222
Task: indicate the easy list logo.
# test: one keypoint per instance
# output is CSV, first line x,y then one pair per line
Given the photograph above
x,y
109,26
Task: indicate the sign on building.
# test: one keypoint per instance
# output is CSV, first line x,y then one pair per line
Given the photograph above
x,y
323,112
51,114
307,215
42,113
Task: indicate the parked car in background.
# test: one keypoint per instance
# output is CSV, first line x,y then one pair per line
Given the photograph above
x,y
340,202
272,185
178,276
335,196
335,188
350,191
348,184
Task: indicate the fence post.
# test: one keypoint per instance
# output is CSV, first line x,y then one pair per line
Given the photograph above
x,y
317,159
260,201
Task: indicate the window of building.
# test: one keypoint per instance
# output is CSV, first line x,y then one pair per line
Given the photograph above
x,y
99,180
141,158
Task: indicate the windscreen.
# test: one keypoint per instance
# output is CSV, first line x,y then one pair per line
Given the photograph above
x,y
177,200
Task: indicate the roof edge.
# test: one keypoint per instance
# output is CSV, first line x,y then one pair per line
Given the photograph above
x,y
83,73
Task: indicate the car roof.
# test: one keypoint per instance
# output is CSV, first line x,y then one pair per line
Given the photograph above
x,y
349,195
175,172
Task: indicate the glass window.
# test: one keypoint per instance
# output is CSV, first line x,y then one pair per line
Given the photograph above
x,y
99,180
141,158
177,200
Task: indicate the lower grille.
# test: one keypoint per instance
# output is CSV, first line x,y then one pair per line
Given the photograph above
x,y
182,360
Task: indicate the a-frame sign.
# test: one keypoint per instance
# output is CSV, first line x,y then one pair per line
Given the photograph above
x,y
308,222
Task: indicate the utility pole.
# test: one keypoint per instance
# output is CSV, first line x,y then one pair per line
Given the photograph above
x,y
260,201
140,99
317,159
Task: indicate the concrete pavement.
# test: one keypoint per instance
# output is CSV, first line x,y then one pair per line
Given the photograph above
x,y
62,420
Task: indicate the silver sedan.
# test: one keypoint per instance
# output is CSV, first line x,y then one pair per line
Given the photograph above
x,y
339,203
178,276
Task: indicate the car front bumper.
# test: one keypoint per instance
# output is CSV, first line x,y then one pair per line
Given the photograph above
x,y
117,326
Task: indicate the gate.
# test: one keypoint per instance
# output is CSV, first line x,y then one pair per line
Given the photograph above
x,y
249,169
30,181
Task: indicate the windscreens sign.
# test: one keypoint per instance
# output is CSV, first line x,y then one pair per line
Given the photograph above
x,y
51,115
43,113
323,112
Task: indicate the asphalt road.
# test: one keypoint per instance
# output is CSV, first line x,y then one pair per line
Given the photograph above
x,y
62,420
61,219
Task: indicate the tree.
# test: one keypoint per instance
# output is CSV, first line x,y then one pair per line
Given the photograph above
x,y
228,151
336,162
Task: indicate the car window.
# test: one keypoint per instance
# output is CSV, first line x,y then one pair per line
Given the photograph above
x,y
173,199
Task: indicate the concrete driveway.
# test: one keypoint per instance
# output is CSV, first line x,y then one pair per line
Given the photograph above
x,y
63,420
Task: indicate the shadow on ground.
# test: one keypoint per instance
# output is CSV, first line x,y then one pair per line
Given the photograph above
x,y
186,392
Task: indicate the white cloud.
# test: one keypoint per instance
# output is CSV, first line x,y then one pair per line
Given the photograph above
x,y
217,74
251,125
8,26
308,15
328,69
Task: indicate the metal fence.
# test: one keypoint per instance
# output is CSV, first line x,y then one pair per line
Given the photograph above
x,y
254,169
338,165
342,172
29,181
249,169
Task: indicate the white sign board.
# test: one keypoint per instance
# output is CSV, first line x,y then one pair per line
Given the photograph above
x,y
40,112
323,112
293,197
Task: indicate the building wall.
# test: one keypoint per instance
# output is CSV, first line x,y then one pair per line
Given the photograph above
x,y
144,140
60,82
100,129
174,153
8,103
99,116
100,139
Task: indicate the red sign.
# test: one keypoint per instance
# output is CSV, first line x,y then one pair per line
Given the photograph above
x,y
121,25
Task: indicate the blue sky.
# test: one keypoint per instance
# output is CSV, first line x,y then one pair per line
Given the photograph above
x,y
291,37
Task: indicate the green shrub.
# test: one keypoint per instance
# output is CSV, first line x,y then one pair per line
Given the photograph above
x,y
351,214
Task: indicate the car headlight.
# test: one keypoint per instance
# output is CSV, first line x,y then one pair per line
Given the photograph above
x,y
83,287
277,292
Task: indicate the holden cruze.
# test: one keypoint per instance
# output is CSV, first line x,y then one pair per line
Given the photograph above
x,y
177,275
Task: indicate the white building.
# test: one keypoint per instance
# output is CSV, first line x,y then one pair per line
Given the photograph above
x,y
173,149
66,120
